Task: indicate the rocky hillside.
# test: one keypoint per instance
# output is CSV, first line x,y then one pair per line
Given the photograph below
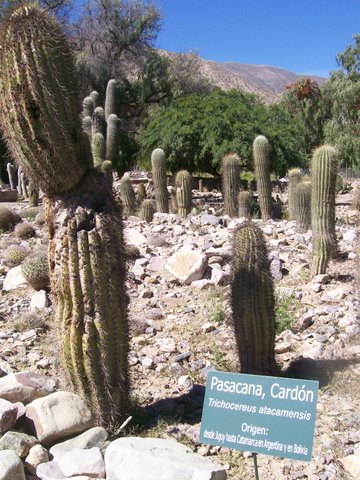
x,y
180,328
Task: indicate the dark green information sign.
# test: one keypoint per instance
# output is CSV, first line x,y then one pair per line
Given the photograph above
x,y
270,415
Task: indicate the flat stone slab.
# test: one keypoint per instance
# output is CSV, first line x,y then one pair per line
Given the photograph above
x,y
134,458
94,437
25,386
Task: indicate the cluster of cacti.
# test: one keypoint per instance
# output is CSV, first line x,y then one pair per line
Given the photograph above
x,y
127,195
244,202
324,167
294,179
261,151
302,206
158,168
102,126
24,231
230,169
183,182
8,219
147,211
15,254
253,302
86,246
35,269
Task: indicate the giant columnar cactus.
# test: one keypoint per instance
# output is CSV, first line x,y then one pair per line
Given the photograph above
x,y
252,301
111,99
231,182
183,193
262,173
127,195
39,115
294,179
245,200
302,206
158,164
323,181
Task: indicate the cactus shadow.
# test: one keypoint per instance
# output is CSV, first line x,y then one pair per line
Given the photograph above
x,y
321,370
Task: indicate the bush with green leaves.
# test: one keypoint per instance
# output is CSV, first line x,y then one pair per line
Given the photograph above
x,y
8,219
35,269
24,230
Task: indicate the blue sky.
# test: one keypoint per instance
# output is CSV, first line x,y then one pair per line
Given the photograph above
x,y
302,36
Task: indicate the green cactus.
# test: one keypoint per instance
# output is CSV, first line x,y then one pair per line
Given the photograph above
x,y
324,166
35,269
294,179
141,193
302,206
253,302
88,106
174,204
96,98
110,99
112,137
231,183
15,254
245,201
158,164
183,193
98,149
33,194
98,124
11,174
127,195
107,169
24,230
87,126
262,173
8,219
40,117
147,211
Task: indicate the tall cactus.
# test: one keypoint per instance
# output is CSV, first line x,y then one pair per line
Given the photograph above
x,y
324,166
231,183
98,148
294,179
302,204
11,175
88,106
245,200
127,195
252,301
110,99
147,210
183,193
39,115
262,172
112,137
98,124
158,164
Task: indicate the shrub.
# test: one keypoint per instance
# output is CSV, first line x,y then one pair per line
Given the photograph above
x,y
36,270
24,231
8,219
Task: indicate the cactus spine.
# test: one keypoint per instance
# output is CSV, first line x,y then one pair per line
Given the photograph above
x,y
231,183
245,200
302,203
262,173
158,164
183,193
294,179
252,301
39,114
147,211
323,181
127,195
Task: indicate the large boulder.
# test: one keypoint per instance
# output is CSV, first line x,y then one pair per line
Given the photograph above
x,y
58,415
8,415
14,279
187,266
94,437
11,466
25,386
132,458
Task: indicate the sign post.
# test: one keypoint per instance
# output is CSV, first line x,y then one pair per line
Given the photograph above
x,y
269,415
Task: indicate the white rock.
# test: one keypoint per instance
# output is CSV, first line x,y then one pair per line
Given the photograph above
x,y
134,237
352,464
350,236
83,462
219,277
39,301
185,381
94,437
11,466
37,454
59,415
201,284
8,415
25,386
135,458
187,266
14,279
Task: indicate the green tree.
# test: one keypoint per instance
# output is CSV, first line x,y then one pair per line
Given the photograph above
x,y
343,87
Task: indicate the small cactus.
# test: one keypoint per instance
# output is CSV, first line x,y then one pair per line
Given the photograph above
x,y
15,254
174,204
323,181
98,124
24,230
11,175
302,204
147,211
88,107
87,126
245,201
183,193
112,137
35,269
110,99
127,195
98,149
33,194
141,193
262,172
8,219
96,98
158,164
253,302
231,183
294,179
